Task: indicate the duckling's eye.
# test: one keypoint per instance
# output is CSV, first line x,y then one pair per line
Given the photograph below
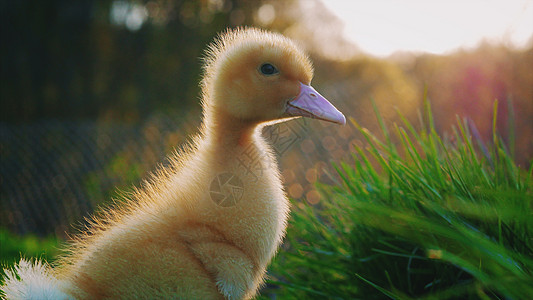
x,y
268,69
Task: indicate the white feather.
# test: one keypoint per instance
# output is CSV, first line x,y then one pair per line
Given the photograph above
x,y
32,281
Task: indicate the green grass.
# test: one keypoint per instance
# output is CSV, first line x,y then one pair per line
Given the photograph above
x,y
13,247
415,216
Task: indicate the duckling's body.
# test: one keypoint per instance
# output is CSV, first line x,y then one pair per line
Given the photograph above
x,y
178,238
200,243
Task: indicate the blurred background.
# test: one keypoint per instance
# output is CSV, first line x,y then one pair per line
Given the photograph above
x,y
94,94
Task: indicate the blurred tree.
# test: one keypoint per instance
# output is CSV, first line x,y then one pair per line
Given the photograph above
x,y
111,59
44,56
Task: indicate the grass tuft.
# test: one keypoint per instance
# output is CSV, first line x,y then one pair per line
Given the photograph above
x,y
425,217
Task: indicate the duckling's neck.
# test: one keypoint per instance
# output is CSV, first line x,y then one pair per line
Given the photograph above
x,y
227,131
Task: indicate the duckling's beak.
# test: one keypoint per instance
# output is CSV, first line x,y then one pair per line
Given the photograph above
x,y
309,103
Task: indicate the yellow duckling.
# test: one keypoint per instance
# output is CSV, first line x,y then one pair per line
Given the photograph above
x,y
204,227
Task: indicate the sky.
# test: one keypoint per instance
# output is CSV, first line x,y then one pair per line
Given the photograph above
x,y
383,27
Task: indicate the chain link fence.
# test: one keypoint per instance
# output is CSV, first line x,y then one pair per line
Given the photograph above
x,y
55,173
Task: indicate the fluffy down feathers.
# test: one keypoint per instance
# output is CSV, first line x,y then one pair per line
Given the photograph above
x,y
33,281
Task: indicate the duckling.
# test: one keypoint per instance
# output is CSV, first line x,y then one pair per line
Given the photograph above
x,y
204,227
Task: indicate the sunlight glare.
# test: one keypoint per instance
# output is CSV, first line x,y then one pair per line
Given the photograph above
x,y
382,27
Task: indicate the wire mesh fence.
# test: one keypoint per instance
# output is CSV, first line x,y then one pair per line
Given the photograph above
x,y
55,173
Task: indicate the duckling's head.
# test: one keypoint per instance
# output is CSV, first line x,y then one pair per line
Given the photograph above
x,y
258,76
